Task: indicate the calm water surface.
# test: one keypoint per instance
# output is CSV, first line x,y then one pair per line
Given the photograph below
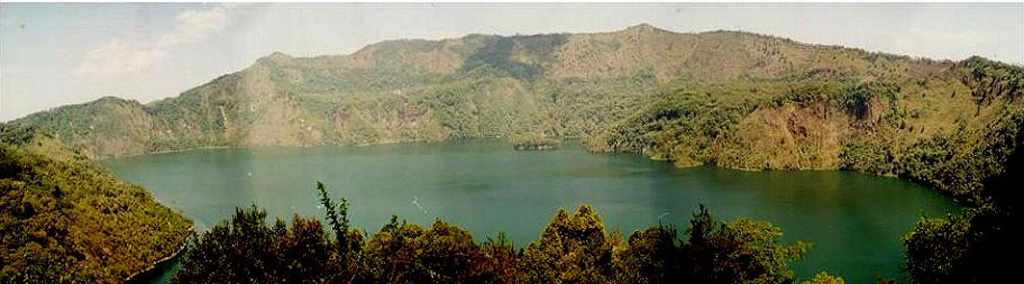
x,y
854,220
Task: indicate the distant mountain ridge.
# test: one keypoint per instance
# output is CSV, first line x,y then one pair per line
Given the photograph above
x,y
388,92
732,99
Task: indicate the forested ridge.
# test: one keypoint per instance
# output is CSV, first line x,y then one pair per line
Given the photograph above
x,y
67,220
730,99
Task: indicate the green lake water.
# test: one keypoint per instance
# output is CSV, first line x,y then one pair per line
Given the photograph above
x,y
854,220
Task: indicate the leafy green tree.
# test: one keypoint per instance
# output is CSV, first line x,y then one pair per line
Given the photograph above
x,y
740,251
248,250
572,249
347,243
937,249
337,215
973,247
405,253
389,254
652,255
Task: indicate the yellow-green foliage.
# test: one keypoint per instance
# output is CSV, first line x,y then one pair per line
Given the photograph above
x,y
63,219
572,249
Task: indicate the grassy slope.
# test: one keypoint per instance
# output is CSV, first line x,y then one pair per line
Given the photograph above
x,y
66,220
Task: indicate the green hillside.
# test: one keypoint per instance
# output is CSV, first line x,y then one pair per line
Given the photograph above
x,y
65,220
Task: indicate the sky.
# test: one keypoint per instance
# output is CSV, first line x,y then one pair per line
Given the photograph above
x,y
63,53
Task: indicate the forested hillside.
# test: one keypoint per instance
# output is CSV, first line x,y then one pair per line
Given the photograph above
x,y
66,220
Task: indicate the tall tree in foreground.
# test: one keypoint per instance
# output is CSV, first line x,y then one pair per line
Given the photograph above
x,y
337,215
572,249
347,243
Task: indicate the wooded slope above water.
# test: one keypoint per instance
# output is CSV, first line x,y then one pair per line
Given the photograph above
x,y
66,220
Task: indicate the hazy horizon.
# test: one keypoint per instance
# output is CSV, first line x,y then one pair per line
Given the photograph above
x,y
58,54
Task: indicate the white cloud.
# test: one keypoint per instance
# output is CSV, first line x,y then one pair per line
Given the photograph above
x,y
120,56
196,25
117,57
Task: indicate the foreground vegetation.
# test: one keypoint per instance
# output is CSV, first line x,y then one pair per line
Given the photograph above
x,y
63,219
573,248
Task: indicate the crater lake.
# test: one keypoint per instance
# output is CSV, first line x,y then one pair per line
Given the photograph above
x,y
854,220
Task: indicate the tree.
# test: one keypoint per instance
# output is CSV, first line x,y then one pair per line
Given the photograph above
x,y
572,249
337,216
740,251
246,249
963,248
406,253
652,255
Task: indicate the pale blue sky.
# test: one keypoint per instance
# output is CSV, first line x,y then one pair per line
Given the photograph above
x,y
56,54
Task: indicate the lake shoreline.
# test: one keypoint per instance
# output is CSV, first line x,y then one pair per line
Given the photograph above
x,y
177,253
581,143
